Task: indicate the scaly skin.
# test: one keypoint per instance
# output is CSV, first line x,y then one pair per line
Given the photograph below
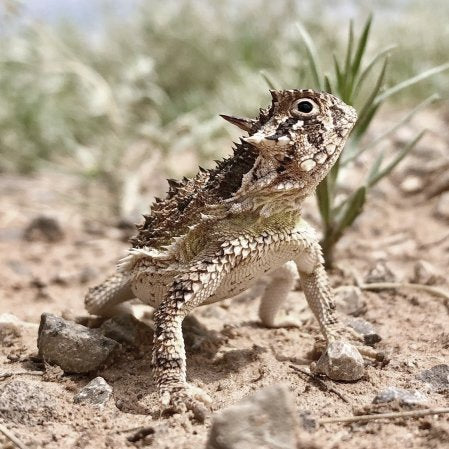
x,y
214,235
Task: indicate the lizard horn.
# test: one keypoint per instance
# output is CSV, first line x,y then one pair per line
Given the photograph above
x,y
275,95
243,123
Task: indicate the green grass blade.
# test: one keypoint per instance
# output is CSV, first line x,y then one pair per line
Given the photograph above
x,y
312,55
387,170
411,81
360,130
367,109
269,80
338,75
395,127
324,202
328,84
348,62
369,67
361,47
352,208
375,167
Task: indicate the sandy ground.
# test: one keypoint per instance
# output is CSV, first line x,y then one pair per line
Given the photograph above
x,y
235,356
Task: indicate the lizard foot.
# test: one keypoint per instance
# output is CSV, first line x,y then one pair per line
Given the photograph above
x,y
183,398
283,319
350,336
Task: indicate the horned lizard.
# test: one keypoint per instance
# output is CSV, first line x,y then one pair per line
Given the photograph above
x,y
215,234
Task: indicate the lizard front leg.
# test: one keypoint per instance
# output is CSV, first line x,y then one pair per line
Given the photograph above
x,y
189,289
315,284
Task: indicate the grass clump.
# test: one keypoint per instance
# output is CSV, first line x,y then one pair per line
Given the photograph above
x,y
362,84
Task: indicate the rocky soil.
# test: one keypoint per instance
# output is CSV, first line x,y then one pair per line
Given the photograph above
x,y
47,264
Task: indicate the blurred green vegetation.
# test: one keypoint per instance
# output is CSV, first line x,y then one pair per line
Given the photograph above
x,y
82,100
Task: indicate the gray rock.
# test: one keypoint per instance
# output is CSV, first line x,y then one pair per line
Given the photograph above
x,y
426,273
264,420
404,397
44,228
349,300
381,272
365,329
341,361
73,347
437,377
26,403
442,207
126,329
96,392
307,421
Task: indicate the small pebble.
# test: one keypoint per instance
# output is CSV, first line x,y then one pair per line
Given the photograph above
x,y
404,397
426,273
43,228
349,300
341,361
365,329
381,272
412,184
442,206
96,392
126,329
437,377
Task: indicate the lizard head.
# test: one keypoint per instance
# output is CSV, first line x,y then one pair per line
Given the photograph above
x,y
298,139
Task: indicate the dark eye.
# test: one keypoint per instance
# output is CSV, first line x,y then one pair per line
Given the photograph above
x,y
305,106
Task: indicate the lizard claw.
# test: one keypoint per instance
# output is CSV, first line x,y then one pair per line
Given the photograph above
x,y
180,399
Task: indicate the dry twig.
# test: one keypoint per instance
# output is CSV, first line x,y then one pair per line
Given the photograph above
x,y
434,242
436,291
12,437
322,385
393,415
6,374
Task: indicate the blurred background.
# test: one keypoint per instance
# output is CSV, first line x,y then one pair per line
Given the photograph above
x,y
116,95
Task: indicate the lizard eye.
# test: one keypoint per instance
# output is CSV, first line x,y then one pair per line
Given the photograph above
x,y
305,107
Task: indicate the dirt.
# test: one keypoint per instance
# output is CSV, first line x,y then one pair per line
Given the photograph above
x,y
235,356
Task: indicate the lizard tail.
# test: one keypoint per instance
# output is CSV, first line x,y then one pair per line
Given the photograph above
x,y
102,299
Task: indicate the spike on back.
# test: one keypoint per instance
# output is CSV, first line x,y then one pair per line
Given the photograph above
x,y
291,146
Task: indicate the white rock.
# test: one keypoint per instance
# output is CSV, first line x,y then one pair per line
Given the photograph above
x,y
412,184
405,397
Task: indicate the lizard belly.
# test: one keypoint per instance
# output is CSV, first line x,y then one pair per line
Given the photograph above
x,y
245,274
151,287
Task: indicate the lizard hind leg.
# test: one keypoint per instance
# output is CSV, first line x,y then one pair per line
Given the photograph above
x,y
282,282
106,298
